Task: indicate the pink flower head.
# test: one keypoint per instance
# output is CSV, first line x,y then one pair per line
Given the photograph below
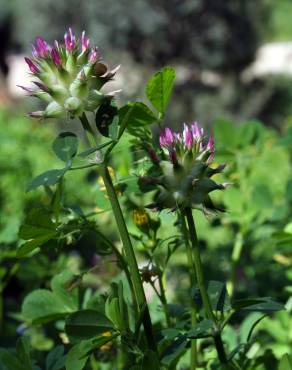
x,y
93,55
187,136
70,40
56,57
41,48
197,131
211,144
166,138
84,41
32,66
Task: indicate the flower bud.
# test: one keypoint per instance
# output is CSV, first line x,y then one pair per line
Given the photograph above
x,y
70,40
56,57
73,105
54,110
79,88
184,179
32,66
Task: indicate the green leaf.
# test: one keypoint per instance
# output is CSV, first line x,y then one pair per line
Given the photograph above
x,y
243,303
78,355
56,359
107,120
86,324
134,115
10,361
203,329
218,296
42,305
286,362
26,248
172,353
23,352
249,324
37,224
159,88
112,310
62,286
38,228
65,146
258,305
47,178
170,333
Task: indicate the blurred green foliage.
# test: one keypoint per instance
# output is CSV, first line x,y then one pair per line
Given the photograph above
x,y
255,232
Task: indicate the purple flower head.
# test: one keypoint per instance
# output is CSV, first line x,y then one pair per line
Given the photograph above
x,y
197,131
84,41
93,55
187,136
41,48
167,137
32,66
70,40
56,57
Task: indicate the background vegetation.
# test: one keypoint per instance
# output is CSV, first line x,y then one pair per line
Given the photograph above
x,y
252,123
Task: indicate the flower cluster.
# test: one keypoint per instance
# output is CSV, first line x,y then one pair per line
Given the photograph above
x,y
187,146
69,76
183,176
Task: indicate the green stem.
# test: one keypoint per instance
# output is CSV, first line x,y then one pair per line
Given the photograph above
x,y
139,294
123,263
82,167
86,125
236,253
202,285
130,256
192,273
163,300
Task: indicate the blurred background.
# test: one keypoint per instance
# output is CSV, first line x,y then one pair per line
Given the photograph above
x,y
234,74
233,58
